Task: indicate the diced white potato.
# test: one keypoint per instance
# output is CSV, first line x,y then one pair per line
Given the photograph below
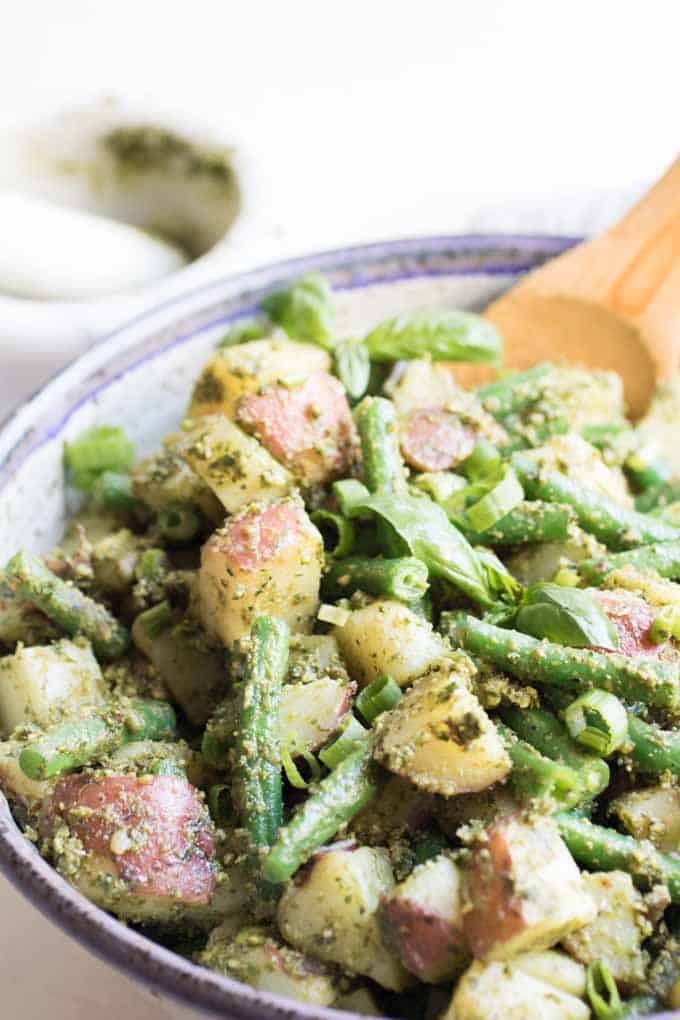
x,y
245,368
114,559
43,684
15,784
312,656
501,991
423,383
361,1001
440,737
577,459
652,814
401,809
237,468
422,921
330,910
486,806
658,430
540,561
522,889
229,904
615,936
167,478
20,621
265,560
258,958
311,712
554,968
192,669
388,637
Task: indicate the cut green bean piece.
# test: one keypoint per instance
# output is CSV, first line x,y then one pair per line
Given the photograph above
x,y
515,391
81,742
338,532
403,578
258,740
600,849
650,681
75,612
179,523
335,801
529,522
535,776
614,525
653,750
549,736
383,467
663,558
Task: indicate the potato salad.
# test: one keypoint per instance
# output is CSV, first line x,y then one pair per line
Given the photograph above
x,y
364,688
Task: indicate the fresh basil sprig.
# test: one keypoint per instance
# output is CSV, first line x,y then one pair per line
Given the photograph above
x,y
567,616
305,311
447,335
352,367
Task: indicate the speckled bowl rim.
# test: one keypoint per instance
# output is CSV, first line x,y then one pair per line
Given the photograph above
x,y
43,417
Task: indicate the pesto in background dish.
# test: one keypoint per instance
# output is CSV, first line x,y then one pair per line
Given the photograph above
x,y
366,687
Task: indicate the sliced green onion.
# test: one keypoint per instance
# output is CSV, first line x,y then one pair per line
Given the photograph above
x,y
333,614
482,462
440,485
666,624
178,522
97,449
293,774
602,992
380,696
350,734
598,721
496,504
337,532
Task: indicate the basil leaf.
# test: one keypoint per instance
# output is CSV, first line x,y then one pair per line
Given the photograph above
x,y
241,332
305,310
426,532
567,616
352,367
447,335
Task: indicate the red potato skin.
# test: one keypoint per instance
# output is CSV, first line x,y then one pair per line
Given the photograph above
x,y
307,427
256,537
163,814
498,915
424,942
633,619
434,439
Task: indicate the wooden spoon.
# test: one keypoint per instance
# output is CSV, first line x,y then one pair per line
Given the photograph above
x,y
610,303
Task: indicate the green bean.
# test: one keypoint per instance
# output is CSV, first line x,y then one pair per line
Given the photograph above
x,y
81,742
536,776
600,849
514,392
332,803
220,732
338,532
75,612
654,750
382,464
663,558
179,522
548,735
258,751
658,496
614,525
404,578
647,680
529,522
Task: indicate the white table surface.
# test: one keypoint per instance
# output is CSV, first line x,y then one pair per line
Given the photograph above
x,y
367,120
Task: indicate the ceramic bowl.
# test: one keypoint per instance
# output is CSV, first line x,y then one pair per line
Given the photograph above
x,y
141,377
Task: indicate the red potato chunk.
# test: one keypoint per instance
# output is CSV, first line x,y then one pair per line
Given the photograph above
x,y
140,847
633,619
421,921
306,426
522,889
435,439
265,560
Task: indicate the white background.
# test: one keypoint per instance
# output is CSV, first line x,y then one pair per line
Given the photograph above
x,y
367,119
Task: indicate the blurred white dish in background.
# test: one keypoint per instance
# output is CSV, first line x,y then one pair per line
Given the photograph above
x,y
51,252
